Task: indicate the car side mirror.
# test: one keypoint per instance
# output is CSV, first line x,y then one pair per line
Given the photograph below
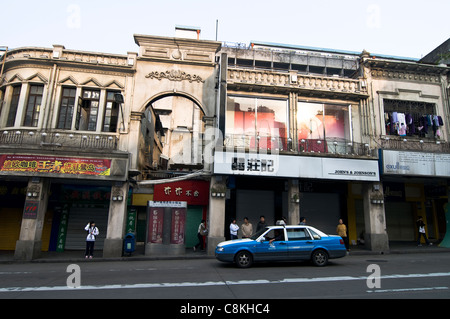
x,y
316,237
262,239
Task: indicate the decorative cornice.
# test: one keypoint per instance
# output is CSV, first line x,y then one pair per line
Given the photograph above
x,y
175,75
405,75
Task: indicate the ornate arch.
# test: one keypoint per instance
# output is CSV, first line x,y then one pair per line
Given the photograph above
x,y
162,95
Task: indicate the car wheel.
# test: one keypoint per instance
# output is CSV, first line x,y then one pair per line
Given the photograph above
x,y
243,259
319,258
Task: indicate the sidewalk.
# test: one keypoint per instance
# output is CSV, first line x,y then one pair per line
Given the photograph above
x,y
74,256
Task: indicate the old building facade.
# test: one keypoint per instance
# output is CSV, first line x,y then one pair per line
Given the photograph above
x,y
216,131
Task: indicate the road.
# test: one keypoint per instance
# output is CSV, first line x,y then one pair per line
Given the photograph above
x,y
363,277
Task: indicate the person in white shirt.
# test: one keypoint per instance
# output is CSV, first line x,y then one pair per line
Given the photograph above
x,y
234,229
201,233
92,231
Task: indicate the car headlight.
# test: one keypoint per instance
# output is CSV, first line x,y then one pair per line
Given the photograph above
x,y
220,248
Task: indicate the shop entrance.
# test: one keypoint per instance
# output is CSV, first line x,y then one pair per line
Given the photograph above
x,y
75,206
400,221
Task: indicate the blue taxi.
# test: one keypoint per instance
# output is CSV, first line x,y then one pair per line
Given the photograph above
x,y
280,243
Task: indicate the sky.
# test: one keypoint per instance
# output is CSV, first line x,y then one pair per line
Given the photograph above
x,y
406,28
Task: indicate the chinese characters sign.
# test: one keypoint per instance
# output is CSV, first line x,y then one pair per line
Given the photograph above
x,y
31,209
178,223
155,225
192,192
62,229
55,165
277,165
252,165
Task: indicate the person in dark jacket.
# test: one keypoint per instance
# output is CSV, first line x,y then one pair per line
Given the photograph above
x,y
421,231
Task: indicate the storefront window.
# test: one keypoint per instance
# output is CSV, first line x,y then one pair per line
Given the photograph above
x,y
323,127
256,123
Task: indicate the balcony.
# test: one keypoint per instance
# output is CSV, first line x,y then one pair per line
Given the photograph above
x,y
413,144
279,81
43,140
333,147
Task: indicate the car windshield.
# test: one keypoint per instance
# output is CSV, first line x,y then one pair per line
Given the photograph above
x,y
259,233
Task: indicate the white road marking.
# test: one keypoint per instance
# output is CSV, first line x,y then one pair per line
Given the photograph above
x,y
408,289
223,283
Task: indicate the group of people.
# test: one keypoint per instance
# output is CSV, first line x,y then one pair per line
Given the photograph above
x,y
247,231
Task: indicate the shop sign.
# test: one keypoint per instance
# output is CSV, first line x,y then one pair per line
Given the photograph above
x,y
30,210
85,194
131,220
178,226
192,192
415,163
61,241
155,225
55,165
276,165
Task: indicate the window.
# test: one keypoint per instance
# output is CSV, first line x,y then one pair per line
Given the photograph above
x,y
111,116
33,106
323,127
66,108
298,234
276,234
315,235
13,106
411,118
257,122
88,110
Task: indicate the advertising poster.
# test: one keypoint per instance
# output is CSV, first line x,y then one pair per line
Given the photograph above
x,y
155,225
31,209
178,225
55,165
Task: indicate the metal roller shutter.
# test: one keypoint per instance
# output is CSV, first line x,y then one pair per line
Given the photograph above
x,y
78,219
10,222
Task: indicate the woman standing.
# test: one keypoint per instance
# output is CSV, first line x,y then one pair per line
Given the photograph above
x,y
233,229
92,231
341,230
201,233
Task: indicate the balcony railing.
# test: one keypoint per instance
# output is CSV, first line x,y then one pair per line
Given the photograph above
x,y
414,144
328,84
55,140
69,55
269,144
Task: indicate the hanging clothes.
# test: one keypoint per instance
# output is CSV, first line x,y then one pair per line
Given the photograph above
x,y
401,124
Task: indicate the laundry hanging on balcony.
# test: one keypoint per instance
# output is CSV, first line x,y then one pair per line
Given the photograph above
x,y
403,124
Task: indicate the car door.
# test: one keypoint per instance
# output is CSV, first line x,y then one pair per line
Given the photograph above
x,y
299,243
267,250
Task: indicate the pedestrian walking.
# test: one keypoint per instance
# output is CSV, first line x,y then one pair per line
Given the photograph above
x,y
341,230
92,232
247,228
421,232
233,229
201,233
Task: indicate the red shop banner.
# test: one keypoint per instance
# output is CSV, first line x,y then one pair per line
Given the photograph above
x,y
178,225
55,165
155,225
190,191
